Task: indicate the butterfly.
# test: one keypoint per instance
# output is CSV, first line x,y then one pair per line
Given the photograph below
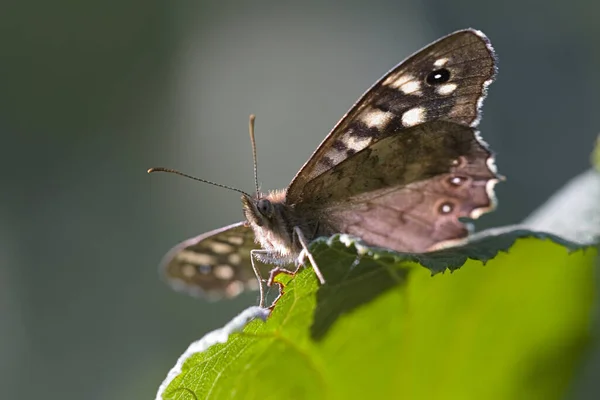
x,y
399,171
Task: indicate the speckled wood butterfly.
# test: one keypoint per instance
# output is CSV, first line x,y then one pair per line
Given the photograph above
x,y
398,171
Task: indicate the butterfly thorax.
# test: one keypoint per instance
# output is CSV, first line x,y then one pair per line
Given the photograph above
x,y
273,222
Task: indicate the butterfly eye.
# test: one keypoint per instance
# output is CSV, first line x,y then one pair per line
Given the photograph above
x,y
265,207
438,76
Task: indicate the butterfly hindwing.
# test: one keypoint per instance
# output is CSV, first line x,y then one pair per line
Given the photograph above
x,y
215,264
407,192
447,81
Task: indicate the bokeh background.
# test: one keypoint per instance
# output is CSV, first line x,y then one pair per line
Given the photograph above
x,y
93,93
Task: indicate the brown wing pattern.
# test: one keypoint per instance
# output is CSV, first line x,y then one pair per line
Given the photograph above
x,y
445,81
215,264
407,192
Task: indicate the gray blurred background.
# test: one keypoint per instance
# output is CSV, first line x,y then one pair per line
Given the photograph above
x,y
93,93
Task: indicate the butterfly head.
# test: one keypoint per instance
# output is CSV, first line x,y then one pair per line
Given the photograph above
x,y
261,210
266,215
257,210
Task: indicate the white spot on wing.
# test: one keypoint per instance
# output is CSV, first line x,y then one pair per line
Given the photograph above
x,y
489,188
236,240
356,143
224,272
191,257
234,288
376,118
411,87
413,117
440,62
447,89
235,258
396,81
335,154
221,248
188,270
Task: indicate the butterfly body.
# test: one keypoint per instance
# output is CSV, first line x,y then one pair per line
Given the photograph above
x,y
273,222
400,170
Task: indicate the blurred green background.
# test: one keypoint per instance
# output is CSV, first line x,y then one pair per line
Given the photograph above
x,y
93,93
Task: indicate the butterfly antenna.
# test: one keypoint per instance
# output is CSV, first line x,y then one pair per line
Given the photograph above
x,y
173,171
253,141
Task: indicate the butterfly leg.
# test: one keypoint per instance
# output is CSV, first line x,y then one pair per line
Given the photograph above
x,y
254,255
305,253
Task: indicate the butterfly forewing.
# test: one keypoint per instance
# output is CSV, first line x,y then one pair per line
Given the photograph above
x,y
215,264
447,81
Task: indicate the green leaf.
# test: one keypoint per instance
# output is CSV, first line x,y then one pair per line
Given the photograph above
x,y
389,325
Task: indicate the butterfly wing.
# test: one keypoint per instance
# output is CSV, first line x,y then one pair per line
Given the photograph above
x,y
447,80
215,264
407,192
